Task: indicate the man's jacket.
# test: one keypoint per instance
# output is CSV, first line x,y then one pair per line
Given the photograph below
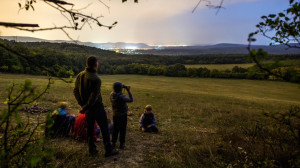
x,y
87,89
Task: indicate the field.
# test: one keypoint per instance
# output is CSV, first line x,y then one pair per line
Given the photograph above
x,y
201,121
222,67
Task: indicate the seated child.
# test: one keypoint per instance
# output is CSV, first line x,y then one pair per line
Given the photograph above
x,y
62,121
147,120
79,131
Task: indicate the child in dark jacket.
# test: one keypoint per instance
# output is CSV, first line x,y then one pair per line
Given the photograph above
x,y
147,120
120,109
63,122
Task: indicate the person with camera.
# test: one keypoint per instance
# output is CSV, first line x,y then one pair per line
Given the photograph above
x,y
119,106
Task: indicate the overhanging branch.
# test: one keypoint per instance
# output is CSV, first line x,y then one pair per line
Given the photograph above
x,y
8,24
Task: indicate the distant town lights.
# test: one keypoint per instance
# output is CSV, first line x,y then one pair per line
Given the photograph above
x,y
131,47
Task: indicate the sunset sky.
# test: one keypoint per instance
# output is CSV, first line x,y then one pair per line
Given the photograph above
x,y
155,22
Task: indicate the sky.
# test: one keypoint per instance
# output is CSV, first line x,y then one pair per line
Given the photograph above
x,y
154,22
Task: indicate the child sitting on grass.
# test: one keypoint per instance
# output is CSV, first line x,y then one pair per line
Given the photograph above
x,y
147,120
63,122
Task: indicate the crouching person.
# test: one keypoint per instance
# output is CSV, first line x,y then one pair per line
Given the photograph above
x,y
120,109
147,120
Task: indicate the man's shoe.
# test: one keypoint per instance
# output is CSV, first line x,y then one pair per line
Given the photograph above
x,y
93,151
111,153
122,146
113,145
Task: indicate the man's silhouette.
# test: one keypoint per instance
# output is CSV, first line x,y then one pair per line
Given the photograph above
x,y
87,92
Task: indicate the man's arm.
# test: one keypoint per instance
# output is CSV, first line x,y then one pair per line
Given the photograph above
x,y
141,121
126,99
153,121
76,91
93,96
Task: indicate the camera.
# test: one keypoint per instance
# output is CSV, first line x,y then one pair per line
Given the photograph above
x,y
126,87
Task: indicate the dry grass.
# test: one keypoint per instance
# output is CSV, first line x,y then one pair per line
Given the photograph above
x,y
192,116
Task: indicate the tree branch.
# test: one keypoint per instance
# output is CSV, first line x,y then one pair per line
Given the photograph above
x,y
27,142
8,24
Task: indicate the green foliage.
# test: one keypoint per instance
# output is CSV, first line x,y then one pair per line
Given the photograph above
x,y
4,68
67,60
21,141
285,24
271,141
286,28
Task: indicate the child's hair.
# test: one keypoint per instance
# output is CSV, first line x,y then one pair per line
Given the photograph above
x,y
148,107
62,105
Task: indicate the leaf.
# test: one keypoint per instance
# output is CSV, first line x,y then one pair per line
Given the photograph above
x,y
49,120
272,15
264,17
34,161
287,19
281,14
6,101
3,115
17,117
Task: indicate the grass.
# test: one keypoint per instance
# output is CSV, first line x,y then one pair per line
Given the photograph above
x,y
195,117
222,67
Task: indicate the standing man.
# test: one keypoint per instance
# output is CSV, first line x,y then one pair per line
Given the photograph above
x,y
88,95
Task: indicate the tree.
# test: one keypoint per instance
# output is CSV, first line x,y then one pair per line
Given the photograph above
x,y
75,17
286,28
20,139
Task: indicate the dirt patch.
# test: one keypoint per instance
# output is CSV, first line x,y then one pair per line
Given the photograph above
x,y
139,147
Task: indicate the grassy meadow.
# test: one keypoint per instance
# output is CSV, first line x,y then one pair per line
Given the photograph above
x,y
223,67
202,122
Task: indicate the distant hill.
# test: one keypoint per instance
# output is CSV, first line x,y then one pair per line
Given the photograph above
x,y
97,45
142,48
